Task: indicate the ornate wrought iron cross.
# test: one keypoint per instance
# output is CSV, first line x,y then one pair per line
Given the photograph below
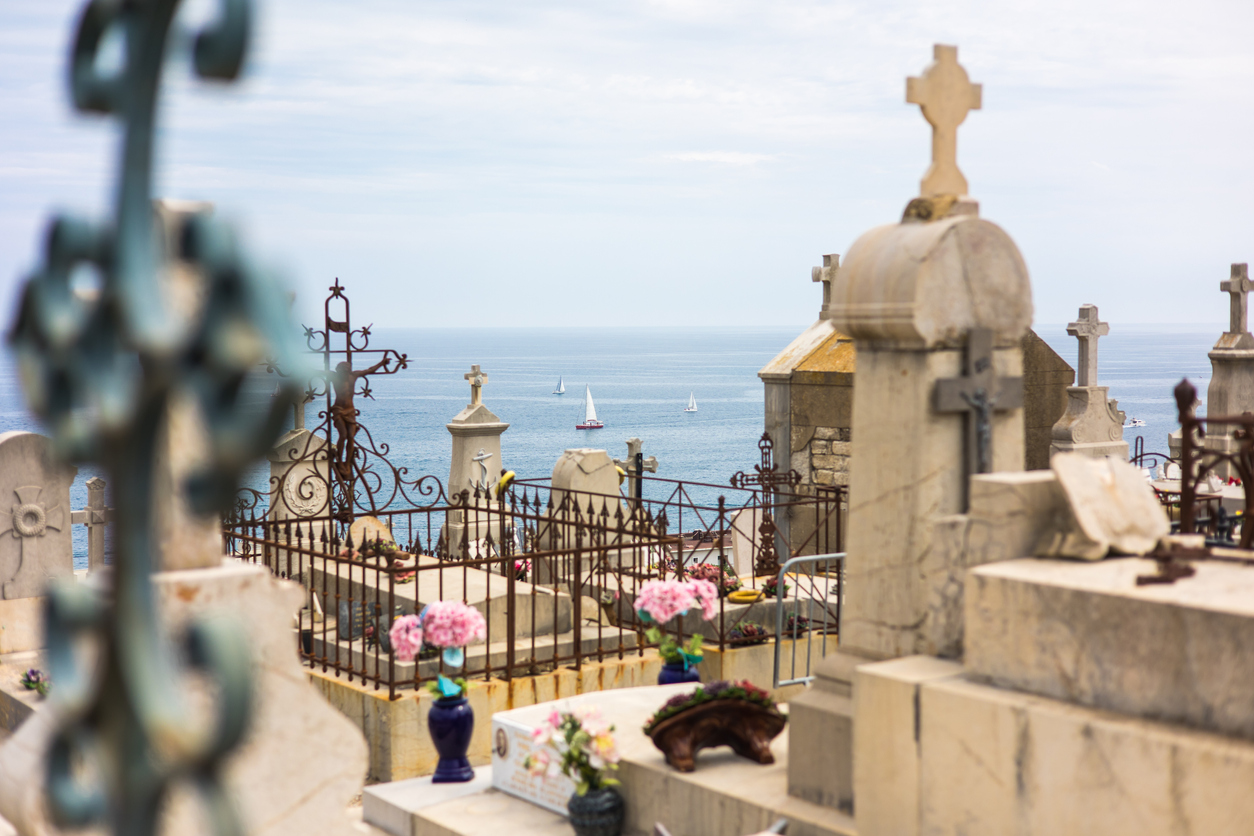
x,y
100,374
977,395
770,479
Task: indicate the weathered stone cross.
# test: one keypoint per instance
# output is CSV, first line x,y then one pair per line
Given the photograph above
x,y
477,380
1087,329
978,394
946,94
1239,286
825,274
636,464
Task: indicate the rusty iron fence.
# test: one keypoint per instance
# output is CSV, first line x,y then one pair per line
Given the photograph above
x,y
554,572
1201,508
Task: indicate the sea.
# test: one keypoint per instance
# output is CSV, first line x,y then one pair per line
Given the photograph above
x,y
640,380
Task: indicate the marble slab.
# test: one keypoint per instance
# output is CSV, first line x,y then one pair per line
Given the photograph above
x,y
1086,633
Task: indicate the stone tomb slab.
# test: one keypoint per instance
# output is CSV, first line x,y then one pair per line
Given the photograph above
x,y
1086,633
485,591
35,541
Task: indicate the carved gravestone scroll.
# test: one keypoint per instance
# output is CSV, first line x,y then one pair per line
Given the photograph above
x,y
35,540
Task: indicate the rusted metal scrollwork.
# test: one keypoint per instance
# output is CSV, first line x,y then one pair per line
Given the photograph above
x,y
338,471
767,476
100,373
1197,462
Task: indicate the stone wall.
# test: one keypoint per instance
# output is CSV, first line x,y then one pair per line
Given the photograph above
x,y
1046,377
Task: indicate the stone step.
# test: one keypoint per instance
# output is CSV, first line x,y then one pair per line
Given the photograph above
x,y
542,648
726,795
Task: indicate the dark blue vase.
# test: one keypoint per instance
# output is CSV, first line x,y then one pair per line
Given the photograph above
x,y
673,672
452,722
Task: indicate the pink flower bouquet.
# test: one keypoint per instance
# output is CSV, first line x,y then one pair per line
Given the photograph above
x,y
659,601
450,625
579,745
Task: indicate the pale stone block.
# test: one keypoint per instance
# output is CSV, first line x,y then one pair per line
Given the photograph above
x,y
908,471
821,448
1091,426
1111,509
295,740
820,735
21,624
1086,632
885,742
996,762
36,545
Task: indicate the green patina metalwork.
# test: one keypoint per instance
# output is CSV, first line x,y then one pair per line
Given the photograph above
x,y
100,373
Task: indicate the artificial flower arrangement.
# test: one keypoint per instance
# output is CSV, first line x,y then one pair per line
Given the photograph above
x,y
36,680
659,601
584,746
378,547
723,689
724,581
748,632
769,588
449,625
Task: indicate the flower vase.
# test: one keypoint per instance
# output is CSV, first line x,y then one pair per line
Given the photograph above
x,y
451,722
597,812
674,672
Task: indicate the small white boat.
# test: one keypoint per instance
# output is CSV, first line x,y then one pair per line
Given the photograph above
x,y
692,403
1134,422
590,421
561,387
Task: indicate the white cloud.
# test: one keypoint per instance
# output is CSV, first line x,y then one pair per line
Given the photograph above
x,y
720,157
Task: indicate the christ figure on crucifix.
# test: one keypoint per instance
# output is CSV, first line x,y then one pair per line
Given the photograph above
x,y
344,413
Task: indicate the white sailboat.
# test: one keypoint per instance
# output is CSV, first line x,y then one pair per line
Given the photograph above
x,y
561,387
590,421
692,403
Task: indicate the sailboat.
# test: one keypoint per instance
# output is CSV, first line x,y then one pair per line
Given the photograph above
x,y
692,403
561,387
590,421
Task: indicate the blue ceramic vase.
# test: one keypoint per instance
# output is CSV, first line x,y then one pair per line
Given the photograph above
x,y
451,722
673,672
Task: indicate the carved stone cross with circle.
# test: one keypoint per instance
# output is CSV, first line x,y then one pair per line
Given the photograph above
x,y
1239,286
477,380
1087,329
946,94
27,520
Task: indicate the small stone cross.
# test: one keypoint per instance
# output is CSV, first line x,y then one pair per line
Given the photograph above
x,y
946,94
978,394
483,482
1087,329
635,465
477,380
1239,286
825,274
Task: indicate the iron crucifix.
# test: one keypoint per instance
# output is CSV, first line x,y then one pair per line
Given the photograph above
x,y
978,394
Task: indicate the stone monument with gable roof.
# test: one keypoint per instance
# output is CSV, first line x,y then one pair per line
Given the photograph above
x,y
1231,389
1093,423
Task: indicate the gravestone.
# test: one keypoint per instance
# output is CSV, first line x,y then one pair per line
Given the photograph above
x,y
1231,389
36,545
636,465
1093,424
300,481
476,466
937,306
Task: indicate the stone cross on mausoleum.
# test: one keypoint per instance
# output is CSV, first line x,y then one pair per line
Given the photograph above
x,y
979,393
825,274
477,380
1239,286
946,94
1087,329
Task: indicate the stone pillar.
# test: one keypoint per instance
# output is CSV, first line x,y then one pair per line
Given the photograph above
x,y
1231,389
1093,424
476,465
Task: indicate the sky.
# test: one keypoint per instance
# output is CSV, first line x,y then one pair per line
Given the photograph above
x,y
667,162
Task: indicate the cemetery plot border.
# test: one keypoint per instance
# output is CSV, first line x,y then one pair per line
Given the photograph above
x,y
554,573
